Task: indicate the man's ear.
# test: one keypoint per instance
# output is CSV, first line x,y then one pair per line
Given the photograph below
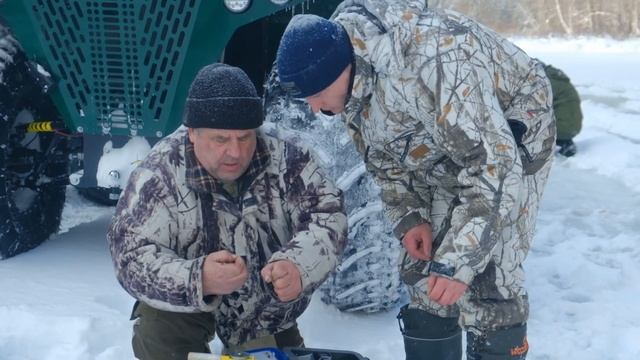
x,y
192,133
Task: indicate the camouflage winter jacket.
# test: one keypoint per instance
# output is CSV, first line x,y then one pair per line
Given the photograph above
x,y
172,214
428,111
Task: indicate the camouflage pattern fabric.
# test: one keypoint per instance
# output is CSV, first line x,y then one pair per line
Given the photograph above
x,y
432,94
170,217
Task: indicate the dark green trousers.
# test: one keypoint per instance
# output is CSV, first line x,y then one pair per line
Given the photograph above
x,y
165,335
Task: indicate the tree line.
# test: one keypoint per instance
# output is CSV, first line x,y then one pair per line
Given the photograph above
x,y
616,18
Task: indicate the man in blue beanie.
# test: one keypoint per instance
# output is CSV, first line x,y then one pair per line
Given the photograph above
x,y
224,229
456,125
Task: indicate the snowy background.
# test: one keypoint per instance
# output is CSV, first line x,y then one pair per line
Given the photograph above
x,y
61,300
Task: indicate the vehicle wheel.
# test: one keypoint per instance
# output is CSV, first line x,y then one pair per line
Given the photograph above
x,y
33,166
367,278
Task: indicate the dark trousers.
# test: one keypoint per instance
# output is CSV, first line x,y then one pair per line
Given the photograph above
x,y
166,335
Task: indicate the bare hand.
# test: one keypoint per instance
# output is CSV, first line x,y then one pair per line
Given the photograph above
x,y
445,291
223,273
285,278
417,241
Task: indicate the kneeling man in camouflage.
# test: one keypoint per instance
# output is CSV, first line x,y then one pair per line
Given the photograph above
x,y
224,229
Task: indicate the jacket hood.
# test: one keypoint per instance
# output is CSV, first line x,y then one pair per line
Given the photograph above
x,y
389,13
378,29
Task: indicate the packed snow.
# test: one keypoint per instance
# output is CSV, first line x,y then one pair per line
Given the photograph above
x,y
116,164
61,300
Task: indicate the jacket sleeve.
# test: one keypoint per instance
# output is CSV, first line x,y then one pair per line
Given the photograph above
x,y
141,238
317,218
472,130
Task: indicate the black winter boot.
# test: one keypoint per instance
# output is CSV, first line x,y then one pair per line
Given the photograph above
x,y
429,337
503,344
567,147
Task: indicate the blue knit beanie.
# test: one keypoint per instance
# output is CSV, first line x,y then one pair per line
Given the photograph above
x,y
222,97
313,52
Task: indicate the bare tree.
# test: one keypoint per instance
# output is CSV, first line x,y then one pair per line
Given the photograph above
x,y
634,13
619,18
565,21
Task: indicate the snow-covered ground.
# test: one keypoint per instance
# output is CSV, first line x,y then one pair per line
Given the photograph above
x,y
61,300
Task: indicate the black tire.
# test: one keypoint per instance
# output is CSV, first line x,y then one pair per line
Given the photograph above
x,y
367,279
33,167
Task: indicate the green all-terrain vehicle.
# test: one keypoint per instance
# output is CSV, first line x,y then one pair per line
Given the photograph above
x,y
87,87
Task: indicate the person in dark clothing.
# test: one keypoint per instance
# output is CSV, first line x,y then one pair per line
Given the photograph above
x,y
566,106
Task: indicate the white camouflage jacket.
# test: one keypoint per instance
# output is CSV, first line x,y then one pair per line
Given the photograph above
x,y
172,214
432,94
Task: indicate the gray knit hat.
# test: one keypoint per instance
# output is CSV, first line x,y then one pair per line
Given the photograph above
x,y
222,97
